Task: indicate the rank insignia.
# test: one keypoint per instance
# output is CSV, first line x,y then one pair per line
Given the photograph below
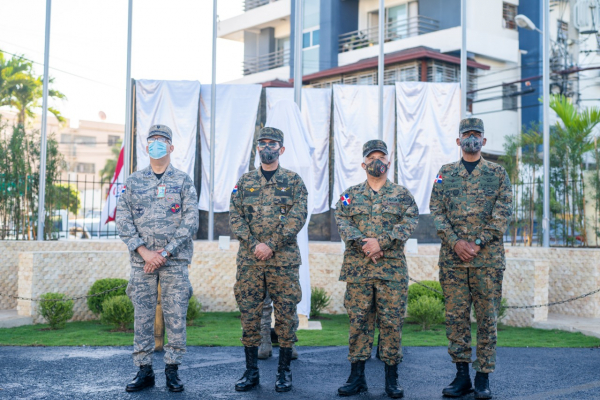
x,y
175,208
283,210
251,190
345,199
283,189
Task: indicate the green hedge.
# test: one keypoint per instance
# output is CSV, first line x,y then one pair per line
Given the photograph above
x,y
415,291
57,313
193,311
95,303
118,311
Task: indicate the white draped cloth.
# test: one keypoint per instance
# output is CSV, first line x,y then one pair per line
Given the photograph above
x,y
316,114
428,118
354,123
235,119
170,103
299,149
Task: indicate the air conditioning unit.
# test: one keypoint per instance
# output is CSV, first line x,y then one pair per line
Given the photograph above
x,y
586,16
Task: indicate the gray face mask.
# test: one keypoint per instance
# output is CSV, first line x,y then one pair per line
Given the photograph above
x,y
268,156
472,144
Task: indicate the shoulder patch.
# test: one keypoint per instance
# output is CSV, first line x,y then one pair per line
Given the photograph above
x,y
438,178
235,189
345,199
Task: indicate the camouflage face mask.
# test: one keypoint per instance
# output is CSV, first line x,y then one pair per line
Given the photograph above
x,y
472,144
377,168
268,156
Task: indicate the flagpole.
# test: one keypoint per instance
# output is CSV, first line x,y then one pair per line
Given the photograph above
x,y
298,53
127,137
43,139
463,59
381,68
213,106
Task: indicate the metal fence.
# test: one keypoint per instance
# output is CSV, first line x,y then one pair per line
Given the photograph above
x,y
251,4
395,30
73,209
266,62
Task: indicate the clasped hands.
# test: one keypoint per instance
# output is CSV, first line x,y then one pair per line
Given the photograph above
x,y
263,252
467,251
152,258
372,250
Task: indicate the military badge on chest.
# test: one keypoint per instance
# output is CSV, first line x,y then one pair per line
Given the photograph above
x,y
175,208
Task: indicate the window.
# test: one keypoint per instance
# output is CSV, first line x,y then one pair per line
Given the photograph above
x,y
438,71
327,84
311,38
369,78
509,101
509,12
396,22
112,140
402,73
83,168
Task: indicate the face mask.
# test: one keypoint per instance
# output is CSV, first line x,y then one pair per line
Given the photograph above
x,y
471,145
377,168
268,156
157,149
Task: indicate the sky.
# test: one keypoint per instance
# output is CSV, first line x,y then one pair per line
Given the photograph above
x,y
171,40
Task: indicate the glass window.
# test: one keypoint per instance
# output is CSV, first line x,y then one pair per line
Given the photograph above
x,y
397,22
310,60
312,13
316,37
509,12
306,40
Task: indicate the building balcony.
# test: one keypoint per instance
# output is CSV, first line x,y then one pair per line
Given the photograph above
x,y
252,4
395,30
266,62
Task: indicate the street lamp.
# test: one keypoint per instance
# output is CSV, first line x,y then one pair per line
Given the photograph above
x,y
525,23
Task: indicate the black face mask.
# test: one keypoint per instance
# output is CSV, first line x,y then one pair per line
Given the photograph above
x,y
268,156
377,168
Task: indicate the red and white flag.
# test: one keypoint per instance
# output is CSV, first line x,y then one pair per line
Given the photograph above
x,y
117,187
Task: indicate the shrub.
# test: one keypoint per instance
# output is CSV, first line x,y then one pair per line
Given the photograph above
x,y
117,311
95,303
415,291
193,311
502,310
57,313
318,301
426,311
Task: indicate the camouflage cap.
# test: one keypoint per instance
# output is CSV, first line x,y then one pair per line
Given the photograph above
x,y
470,124
271,133
161,130
374,145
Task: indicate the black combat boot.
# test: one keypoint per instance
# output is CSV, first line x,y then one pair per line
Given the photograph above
x,y
250,378
482,386
143,379
283,380
391,382
357,382
461,384
377,355
173,382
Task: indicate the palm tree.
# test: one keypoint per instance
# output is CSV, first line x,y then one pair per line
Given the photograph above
x,y
106,173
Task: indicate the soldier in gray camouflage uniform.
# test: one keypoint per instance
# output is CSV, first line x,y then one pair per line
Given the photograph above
x,y
471,203
375,219
266,212
157,215
266,347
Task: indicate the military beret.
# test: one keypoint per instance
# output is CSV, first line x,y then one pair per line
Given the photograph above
x,y
470,124
161,130
374,145
271,133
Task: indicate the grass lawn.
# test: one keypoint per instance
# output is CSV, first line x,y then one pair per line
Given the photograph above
x,y
223,329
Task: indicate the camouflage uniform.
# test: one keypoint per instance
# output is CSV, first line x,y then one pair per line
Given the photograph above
x,y
170,222
390,216
273,213
469,207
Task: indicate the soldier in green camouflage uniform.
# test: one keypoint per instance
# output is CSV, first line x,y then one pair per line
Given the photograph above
x,y
471,204
267,210
375,219
157,215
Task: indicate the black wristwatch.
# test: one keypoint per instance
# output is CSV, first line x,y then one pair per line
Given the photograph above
x,y
479,242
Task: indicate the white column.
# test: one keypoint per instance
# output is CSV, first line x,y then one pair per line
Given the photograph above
x,y
213,106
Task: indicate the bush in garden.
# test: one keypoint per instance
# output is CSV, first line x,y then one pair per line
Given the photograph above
x,y
117,311
57,313
415,291
95,303
426,311
319,300
193,311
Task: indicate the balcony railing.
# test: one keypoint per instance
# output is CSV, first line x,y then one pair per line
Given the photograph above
x,y
395,30
266,62
251,4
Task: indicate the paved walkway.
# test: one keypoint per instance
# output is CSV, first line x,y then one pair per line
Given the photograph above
x,y
210,373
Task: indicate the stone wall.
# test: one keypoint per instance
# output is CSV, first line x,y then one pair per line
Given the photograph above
x,y
533,275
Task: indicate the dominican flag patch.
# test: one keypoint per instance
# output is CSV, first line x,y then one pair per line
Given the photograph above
x,y
438,179
345,199
235,190
124,189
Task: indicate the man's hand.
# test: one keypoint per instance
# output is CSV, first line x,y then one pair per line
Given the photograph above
x,y
153,259
464,250
370,246
376,256
263,252
475,247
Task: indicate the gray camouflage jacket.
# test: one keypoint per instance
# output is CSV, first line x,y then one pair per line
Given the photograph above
x,y
168,222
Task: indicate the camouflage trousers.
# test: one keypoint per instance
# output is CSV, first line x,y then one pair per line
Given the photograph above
x,y
250,289
387,300
176,291
481,287
265,321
